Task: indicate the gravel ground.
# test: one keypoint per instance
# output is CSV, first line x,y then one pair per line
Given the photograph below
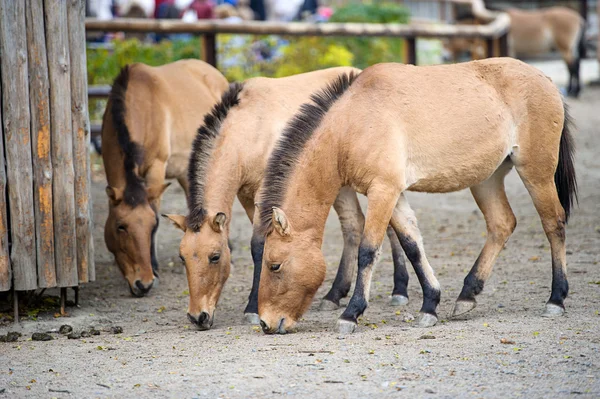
x,y
159,354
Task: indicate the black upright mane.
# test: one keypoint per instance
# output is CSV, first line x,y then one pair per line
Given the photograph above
x,y
289,147
133,154
202,148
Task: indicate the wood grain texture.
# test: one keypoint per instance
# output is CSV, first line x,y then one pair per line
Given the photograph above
x,y
41,147
57,45
81,140
17,143
5,269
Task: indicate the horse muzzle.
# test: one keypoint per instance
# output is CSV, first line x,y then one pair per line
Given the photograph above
x,y
203,321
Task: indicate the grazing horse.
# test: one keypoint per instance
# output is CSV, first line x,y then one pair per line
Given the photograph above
x,y
147,131
541,31
228,159
431,129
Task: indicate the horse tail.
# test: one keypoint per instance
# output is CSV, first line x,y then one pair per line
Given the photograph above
x,y
564,177
202,148
133,154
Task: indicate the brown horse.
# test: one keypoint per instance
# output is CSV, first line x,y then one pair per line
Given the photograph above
x,y
147,131
228,159
431,129
540,31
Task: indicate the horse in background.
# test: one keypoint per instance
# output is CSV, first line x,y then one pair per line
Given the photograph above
x,y
541,31
147,132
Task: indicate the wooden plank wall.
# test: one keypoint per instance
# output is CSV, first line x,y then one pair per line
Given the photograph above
x,y
81,143
17,143
40,134
57,43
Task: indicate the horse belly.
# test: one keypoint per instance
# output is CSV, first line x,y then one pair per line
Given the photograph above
x,y
456,166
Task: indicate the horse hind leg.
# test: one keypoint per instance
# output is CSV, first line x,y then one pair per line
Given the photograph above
x,y
490,197
547,203
400,291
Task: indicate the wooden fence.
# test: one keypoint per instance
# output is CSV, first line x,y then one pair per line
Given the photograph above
x,y
495,34
45,208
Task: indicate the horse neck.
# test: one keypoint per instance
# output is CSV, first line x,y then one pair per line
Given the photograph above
x,y
223,180
313,187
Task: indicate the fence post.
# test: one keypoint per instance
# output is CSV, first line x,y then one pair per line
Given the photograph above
x,y
17,143
411,50
209,48
81,138
57,43
40,135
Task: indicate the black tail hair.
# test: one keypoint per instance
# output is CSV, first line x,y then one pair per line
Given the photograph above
x,y
564,177
133,154
201,147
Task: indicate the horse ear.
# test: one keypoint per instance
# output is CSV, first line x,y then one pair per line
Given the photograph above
x,y
154,192
218,223
177,220
281,223
115,195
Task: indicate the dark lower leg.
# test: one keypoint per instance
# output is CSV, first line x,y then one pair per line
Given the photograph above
x,y
352,222
153,257
400,272
429,284
256,247
367,256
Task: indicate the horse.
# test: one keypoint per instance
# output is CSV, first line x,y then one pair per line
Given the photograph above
x,y
228,159
147,131
434,129
540,31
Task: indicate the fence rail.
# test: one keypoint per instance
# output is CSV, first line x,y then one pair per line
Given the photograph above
x,y
494,33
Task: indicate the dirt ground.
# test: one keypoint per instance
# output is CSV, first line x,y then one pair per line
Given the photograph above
x,y
160,354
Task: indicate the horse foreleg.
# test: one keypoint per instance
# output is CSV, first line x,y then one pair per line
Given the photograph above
x,y
382,200
352,221
404,223
501,222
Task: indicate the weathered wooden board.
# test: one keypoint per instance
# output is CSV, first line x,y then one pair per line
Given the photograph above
x,y
17,143
57,45
5,270
41,146
81,140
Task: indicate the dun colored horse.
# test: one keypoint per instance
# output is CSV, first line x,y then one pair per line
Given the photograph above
x,y
228,159
147,131
541,31
431,129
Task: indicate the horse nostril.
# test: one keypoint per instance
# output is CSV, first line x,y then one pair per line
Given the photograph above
x,y
264,326
143,289
202,318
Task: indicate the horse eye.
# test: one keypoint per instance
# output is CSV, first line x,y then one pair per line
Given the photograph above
x,y
122,227
214,258
275,267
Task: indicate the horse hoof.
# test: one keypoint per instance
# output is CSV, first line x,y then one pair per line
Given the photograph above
x,y
426,320
326,305
553,310
346,327
155,282
399,300
252,318
462,307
